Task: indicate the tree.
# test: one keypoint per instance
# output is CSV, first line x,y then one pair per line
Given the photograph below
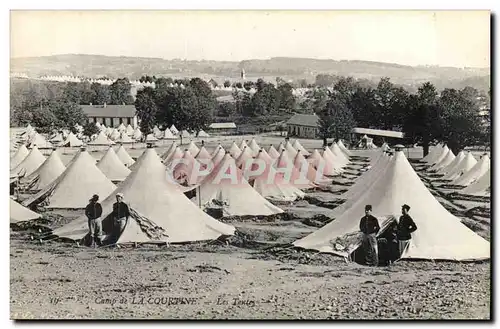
x,y
227,84
461,124
68,114
248,85
90,129
100,94
287,99
146,110
226,109
324,80
362,105
340,118
266,100
302,83
423,124
120,92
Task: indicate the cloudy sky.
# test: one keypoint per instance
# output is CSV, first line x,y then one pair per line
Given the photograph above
x,y
446,38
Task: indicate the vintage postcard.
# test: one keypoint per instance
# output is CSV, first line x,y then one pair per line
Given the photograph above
x,y
252,165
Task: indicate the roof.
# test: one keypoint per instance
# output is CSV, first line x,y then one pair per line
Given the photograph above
x,y
222,125
226,98
308,120
109,111
378,132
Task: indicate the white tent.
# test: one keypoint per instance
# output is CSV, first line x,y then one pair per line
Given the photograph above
x,y
122,128
21,153
151,138
297,146
71,141
271,185
115,134
273,153
18,213
465,165
48,172
174,130
234,150
113,167
185,134
137,135
193,148
125,139
290,150
226,185
341,156
57,138
400,185
186,171
203,134
176,154
333,161
203,154
440,155
124,157
101,140
242,144
170,150
450,167
73,188
308,170
292,175
39,141
446,160
345,150
481,187
31,163
129,131
245,158
476,172
167,134
217,158
153,199
254,147
216,150
433,152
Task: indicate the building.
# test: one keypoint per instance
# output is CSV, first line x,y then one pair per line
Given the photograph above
x,y
303,125
111,115
222,128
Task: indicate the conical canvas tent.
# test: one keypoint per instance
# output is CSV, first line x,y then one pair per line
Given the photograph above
x,y
124,139
292,175
159,134
156,130
101,140
158,208
18,213
169,151
21,153
271,184
45,174
31,163
254,147
124,157
151,138
39,141
129,130
235,151
449,168
297,146
113,167
185,134
401,185
346,151
440,155
242,145
465,165
57,138
186,172
245,157
226,185
122,128
193,148
291,152
339,154
167,134
273,153
73,188
71,141
448,158
115,134
174,130
109,131
217,158
203,154
310,173
203,134
480,187
433,153
333,161
103,128
176,154
137,135
216,150
476,172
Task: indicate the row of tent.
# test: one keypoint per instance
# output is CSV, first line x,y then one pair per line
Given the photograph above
x,y
390,183
461,170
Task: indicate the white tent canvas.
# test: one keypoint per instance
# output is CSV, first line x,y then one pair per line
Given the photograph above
x,y
124,157
169,151
137,135
115,134
174,130
101,140
476,172
57,138
48,172
31,163
21,153
446,160
39,141
124,139
297,146
481,187
122,128
73,188
401,185
254,147
129,131
151,138
18,213
203,134
113,167
167,134
152,197
463,166
193,148
234,150
273,153
71,141
450,167
440,155
346,151
185,134
227,185
433,152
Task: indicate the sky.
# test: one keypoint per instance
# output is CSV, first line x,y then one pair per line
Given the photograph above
x,y
444,38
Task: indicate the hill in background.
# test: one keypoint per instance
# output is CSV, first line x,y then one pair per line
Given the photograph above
x,y
94,66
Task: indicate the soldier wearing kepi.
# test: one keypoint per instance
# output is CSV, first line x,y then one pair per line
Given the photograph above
x,y
406,226
93,211
121,212
369,227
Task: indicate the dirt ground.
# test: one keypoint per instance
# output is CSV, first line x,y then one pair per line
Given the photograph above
x,y
255,276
